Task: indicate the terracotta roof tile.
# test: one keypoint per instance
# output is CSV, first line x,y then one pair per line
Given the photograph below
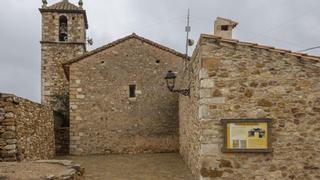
x,y
114,43
64,5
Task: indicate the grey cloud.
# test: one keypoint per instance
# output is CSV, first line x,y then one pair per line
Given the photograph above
x,y
291,24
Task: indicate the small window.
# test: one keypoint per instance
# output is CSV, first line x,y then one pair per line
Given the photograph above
x,y
132,91
157,61
224,28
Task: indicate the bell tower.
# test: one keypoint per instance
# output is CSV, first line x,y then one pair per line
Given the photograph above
x,y
64,28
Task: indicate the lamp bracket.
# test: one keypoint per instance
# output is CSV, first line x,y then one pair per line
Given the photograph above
x,y
185,92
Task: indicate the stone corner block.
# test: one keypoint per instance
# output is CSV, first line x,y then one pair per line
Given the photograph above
x,y
207,83
215,100
209,149
203,73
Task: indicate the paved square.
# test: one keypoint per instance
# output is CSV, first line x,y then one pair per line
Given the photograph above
x,y
166,166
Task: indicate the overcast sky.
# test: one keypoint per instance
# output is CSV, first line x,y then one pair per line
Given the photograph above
x,y
290,24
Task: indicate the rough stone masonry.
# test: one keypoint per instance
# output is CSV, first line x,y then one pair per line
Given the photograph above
x,y
26,129
105,117
231,79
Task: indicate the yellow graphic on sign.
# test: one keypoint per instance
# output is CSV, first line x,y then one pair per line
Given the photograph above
x,y
247,135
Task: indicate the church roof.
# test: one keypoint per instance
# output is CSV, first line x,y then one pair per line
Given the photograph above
x,y
114,43
64,5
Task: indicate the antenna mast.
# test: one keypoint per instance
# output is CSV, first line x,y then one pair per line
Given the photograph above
x,y
188,29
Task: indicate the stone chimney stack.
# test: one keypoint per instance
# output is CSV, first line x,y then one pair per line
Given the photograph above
x,y
224,27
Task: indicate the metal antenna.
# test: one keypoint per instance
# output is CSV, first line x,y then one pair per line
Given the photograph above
x,y
188,29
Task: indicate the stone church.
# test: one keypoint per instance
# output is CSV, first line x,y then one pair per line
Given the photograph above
x,y
115,99
119,102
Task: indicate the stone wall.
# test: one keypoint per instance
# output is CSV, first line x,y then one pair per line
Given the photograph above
x,y
76,27
26,130
104,119
55,53
189,125
243,81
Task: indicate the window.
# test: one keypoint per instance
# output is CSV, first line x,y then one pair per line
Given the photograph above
x,y
63,28
132,91
224,28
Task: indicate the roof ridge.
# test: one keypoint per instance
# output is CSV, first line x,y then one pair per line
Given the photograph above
x,y
116,42
65,5
261,46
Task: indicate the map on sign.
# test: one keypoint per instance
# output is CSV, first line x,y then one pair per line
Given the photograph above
x,y
247,135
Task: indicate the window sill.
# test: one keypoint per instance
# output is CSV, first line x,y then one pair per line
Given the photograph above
x,y
132,99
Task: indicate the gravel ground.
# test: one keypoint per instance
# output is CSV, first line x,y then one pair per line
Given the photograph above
x,y
134,167
29,170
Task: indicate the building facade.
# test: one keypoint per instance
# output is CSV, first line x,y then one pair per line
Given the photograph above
x,y
238,80
119,102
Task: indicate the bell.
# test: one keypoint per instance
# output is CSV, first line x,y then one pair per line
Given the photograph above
x,y
63,28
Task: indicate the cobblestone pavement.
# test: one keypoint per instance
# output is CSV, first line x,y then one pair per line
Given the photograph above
x,y
168,166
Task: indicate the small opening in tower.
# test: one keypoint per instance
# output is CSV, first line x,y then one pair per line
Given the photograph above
x,y
157,61
53,17
224,28
63,28
73,18
132,91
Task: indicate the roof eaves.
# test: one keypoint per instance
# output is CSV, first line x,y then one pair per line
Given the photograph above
x,y
233,41
114,43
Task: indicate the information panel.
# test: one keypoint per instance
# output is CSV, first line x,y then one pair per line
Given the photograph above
x,y
247,135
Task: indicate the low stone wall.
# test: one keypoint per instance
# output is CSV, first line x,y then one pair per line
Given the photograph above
x,y
62,140
26,130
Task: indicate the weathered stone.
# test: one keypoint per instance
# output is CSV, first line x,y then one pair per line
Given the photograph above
x,y
205,93
209,149
11,128
261,113
9,115
203,74
225,164
8,135
248,93
10,147
11,141
210,101
216,93
211,173
207,83
210,63
265,103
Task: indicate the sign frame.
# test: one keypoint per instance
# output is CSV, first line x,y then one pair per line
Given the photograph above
x,y
225,122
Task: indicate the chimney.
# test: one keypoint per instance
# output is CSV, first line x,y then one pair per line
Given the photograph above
x,y
224,27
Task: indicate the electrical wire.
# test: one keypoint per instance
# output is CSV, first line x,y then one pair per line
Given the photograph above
x,y
309,49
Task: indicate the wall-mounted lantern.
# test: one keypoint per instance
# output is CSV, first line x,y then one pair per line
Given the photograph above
x,y
171,80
